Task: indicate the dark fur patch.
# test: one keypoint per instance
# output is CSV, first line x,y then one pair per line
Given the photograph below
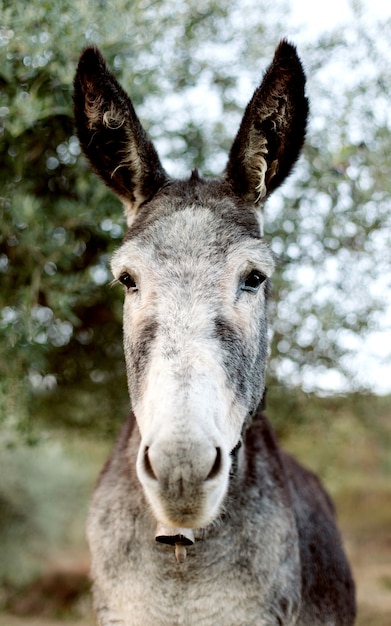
x,y
236,359
139,350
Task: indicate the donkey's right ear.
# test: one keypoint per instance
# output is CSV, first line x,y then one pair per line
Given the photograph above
x,y
272,131
111,135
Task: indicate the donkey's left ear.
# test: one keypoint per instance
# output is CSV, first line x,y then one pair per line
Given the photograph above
x,y
111,135
272,131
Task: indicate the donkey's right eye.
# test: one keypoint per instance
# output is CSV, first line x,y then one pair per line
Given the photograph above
x,y
128,281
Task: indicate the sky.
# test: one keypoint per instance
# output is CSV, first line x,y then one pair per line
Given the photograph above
x,y
373,362
317,17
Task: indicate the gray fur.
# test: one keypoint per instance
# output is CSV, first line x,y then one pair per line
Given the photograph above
x,y
196,455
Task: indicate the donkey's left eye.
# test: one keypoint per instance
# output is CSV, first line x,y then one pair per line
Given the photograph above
x,y
253,281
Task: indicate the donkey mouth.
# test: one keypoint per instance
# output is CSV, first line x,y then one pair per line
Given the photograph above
x,y
172,536
181,538
181,512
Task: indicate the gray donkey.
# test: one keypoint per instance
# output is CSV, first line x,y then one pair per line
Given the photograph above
x,y
199,518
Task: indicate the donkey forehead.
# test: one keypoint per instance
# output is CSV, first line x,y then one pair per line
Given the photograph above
x,y
194,237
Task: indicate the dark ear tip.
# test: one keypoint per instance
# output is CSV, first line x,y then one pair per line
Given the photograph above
x,y
89,60
287,49
286,54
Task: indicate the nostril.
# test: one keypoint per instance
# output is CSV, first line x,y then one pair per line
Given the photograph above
x,y
147,464
216,465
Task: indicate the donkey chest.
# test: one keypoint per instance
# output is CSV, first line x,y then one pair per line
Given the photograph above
x,y
190,595
222,582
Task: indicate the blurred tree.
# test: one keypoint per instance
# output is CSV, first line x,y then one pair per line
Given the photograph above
x,y
190,68
38,509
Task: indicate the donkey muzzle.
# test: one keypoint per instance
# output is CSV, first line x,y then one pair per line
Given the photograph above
x,y
184,482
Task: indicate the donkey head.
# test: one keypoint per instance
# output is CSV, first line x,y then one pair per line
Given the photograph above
x,y
195,269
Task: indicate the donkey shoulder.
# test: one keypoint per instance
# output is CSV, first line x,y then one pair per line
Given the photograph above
x,y
327,583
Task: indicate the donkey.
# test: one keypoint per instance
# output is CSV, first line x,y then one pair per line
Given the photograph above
x,y
197,467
